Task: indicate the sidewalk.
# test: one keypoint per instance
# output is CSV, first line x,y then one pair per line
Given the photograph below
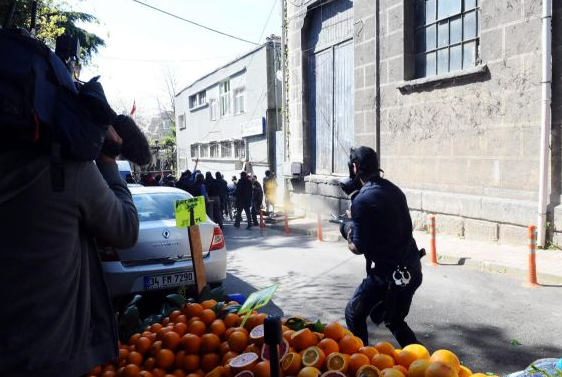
x,y
484,256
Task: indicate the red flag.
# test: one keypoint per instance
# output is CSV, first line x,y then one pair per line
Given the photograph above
x,y
134,107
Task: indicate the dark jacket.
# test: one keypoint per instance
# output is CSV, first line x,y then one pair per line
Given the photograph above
x,y
56,310
257,195
243,192
223,188
382,227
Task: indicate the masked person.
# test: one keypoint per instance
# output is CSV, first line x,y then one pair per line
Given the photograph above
x,y
381,230
61,321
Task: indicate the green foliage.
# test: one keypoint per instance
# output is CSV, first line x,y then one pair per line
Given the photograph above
x,y
299,323
54,19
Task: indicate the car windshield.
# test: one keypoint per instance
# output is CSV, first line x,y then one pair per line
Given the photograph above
x,y
152,207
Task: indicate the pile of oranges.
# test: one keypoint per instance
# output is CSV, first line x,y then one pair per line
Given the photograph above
x,y
196,342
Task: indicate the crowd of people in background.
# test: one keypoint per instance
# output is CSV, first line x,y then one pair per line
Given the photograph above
x,y
222,198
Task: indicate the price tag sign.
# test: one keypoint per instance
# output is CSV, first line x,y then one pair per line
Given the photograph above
x,y
257,300
190,212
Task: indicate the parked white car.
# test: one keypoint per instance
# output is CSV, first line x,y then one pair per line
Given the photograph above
x,y
161,259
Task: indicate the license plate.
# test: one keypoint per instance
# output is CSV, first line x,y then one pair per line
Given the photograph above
x,y
168,280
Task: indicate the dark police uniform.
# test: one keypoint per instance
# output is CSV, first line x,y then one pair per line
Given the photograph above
x,y
382,232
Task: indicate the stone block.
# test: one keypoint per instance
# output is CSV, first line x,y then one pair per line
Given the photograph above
x,y
491,45
498,12
484,172
513,235
311,188
519,174
468,143
557,239
363,8
503,142
369,121
359,122
452,171
418,220
557,223
370,72
451,225
395,17
391,45
414,198
330,190
530,136
396,70
532,8
359,77
369,28
481,230
384,72
364,53
508,211
523,37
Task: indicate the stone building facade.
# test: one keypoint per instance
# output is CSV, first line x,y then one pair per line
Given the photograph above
x,y
449,94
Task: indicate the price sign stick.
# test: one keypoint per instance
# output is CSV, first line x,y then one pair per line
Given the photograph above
x,y
197,257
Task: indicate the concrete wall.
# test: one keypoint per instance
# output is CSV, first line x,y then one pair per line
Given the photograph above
x,y
465,148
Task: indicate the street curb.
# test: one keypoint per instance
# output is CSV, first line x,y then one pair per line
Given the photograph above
x,y
480,265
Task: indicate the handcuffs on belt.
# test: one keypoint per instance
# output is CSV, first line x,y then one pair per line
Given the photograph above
x,y
401,276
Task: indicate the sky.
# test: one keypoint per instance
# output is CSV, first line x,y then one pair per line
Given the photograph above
x,y
144,46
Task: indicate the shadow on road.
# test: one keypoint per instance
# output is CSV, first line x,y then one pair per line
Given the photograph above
x,y
487,348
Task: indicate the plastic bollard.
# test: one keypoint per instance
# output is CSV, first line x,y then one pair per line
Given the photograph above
x,y
532,277
319,236
432,245
287,230
262,225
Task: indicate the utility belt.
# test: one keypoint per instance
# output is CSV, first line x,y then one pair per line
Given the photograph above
x,y
396,275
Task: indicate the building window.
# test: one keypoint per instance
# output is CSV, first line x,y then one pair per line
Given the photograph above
x,y
204,150
446,36
239,149
181,121
224,92
215,150
226,149
194,150
198,100
239,101
213,108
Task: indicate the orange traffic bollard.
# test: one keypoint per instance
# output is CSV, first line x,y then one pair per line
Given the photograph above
x,y
287,230
532,258
432,246
262,225
319,237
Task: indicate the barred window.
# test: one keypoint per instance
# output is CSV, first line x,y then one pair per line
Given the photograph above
x,y
194,150
226,149
204,150
215,150
239,149
446,36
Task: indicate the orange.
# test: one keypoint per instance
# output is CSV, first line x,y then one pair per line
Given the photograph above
x,y
179,373
291,364
338,361
303,339
224,348
197,328
262,369
216,372
208,316
164,358
334,331
440,369
171,340
174,315
191,343
155,327
401,369
356,361
210,361
418,367
217,327
134,338
210,343
110,373
231,320
149,363
287,335
253,348
382,361
131,370
309,372
191,362
134,358
123,354
208,304
162,331
155,347
391,372
230,330
192,310
178,363
158,372
368,371
464,372
417,349
237,341
405,358
180,328
328,345
165,321
227,356
349,344
181,319
313,357
385,347
369,351
261,318
447,357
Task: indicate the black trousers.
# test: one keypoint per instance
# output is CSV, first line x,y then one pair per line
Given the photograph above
x,y
374,298
246,208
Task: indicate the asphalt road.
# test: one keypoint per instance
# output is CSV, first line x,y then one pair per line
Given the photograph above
x,y
489,320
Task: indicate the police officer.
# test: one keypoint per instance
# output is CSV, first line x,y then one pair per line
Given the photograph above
x,y
381,230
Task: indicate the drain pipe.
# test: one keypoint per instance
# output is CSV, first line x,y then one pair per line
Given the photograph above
x,y
546,85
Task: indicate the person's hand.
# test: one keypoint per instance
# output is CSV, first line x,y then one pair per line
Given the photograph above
x,y
112,137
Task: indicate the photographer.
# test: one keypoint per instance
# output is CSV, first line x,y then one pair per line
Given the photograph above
x,y
381,230
56,311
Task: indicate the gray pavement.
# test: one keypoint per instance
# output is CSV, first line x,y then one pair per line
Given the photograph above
x,y
485,256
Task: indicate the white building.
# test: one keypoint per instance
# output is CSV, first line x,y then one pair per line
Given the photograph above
x,y
229,119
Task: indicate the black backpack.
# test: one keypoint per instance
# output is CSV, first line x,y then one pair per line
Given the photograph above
x,y
41,105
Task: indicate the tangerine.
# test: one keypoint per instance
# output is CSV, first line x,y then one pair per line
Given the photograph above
x,y
208,316
165,358
179,373
224,348
405,358
155,347
440,369
287,335
208,304
237,341
191,362
227,356
197,327
328,345
179,359
262,369
231,320
131,370
369,351
217,327
385,347
180,328
382,361
174,315
191,343
303,339
334,331
210,361
291,364
349,344
171,340
356,361
134,358
149,363
158,372
109,373
447,357
133,339
192,310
